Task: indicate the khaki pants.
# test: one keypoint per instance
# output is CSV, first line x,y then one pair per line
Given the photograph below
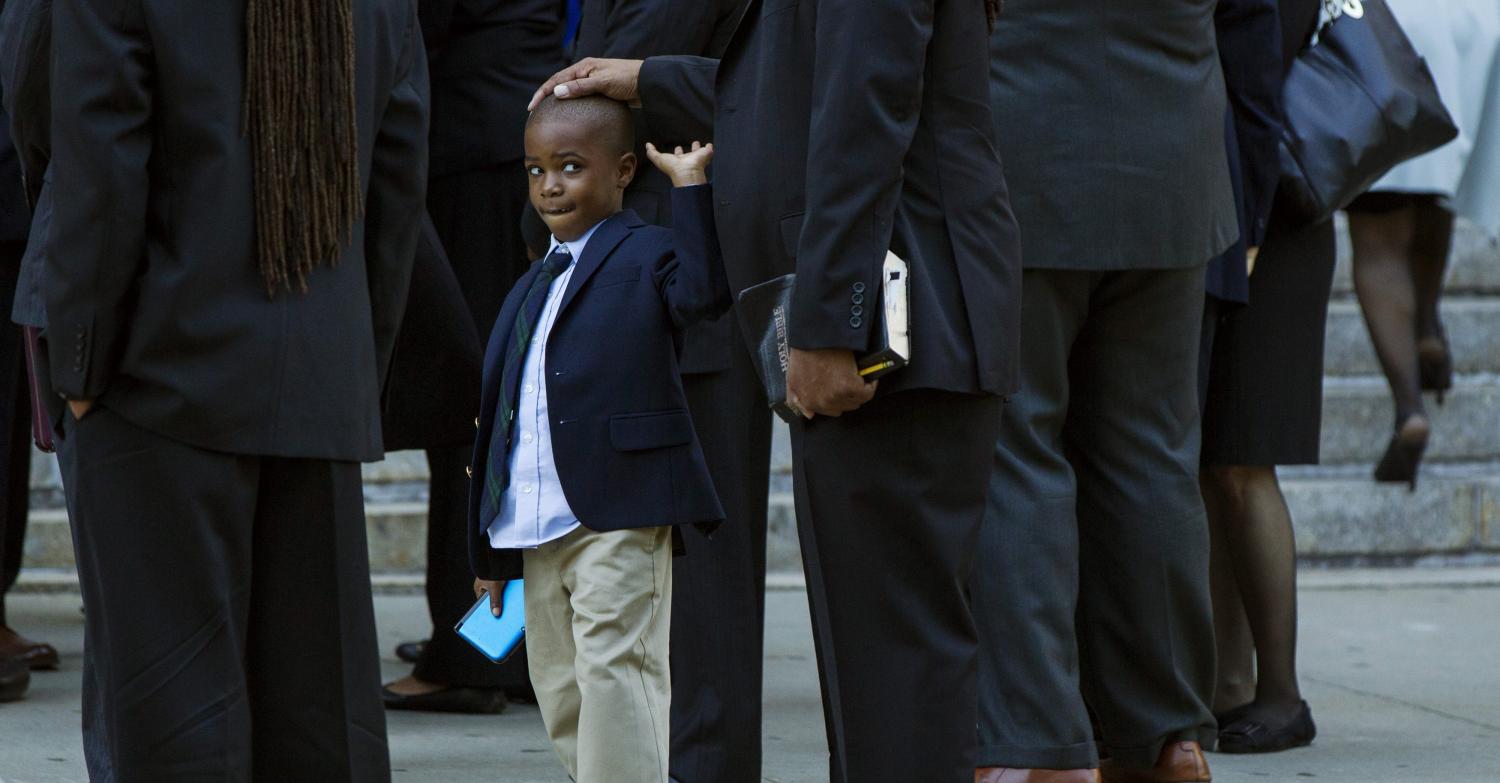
x,y
598,618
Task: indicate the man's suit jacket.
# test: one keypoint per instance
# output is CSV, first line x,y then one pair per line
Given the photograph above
x,y
636,29
155,303
25,51
622,437
1111,123
487,57
840,140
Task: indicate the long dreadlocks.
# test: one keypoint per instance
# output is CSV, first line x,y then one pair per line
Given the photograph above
x,y
299,114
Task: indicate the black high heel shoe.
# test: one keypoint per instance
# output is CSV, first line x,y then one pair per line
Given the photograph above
x,y
1435,364
1404,454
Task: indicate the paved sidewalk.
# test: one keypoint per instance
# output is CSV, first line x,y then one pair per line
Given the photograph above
x,y
1402,669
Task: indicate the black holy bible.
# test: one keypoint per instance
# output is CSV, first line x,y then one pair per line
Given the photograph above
x,y
764,311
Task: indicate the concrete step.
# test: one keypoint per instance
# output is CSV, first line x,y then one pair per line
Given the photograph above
x,y
1473,266
1339,513
1358,417
1472,323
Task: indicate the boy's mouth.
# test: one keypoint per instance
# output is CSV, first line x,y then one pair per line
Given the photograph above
x,y
554,211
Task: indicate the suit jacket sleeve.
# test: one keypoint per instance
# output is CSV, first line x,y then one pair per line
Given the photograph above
x,y
395,206
1249,33
677,97
864,115
102,115
692,282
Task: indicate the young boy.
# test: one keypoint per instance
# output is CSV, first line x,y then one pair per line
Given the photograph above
x,y
586,456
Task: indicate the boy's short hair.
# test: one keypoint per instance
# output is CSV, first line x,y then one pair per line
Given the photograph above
x,y
610,118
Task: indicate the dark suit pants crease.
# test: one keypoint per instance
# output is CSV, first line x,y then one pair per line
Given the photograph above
x,y
718,598
1093,576
477,216
229,623
889,503
15,429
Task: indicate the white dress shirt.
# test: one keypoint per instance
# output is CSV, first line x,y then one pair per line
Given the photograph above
x,y
534,510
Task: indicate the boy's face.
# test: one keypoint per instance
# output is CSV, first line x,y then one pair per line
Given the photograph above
x,y
576,178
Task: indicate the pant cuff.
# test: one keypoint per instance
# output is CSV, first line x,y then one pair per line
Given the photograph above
x,y
1080,756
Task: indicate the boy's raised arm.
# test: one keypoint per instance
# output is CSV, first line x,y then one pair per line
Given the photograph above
x,y
692,283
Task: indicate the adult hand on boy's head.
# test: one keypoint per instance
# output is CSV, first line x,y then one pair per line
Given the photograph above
x,y
684,168
618,79
826,383
496,591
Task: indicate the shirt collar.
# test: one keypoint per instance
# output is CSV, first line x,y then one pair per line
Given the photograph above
x,y
576,246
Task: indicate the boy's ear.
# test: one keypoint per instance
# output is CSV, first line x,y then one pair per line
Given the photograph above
x,y
626,169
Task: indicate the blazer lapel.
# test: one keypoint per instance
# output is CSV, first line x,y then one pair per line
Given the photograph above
x,y
604,241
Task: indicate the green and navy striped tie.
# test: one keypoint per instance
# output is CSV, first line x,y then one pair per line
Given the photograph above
x,y
497,466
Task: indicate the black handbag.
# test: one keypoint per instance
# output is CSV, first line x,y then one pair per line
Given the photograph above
x,y
1358,101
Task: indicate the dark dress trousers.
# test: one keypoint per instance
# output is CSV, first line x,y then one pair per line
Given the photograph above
x,y
718,607
1094,577
485,57
15,409
828,158
214,490
622,439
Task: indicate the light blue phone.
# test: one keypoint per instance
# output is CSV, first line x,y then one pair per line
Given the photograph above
x,y
496,637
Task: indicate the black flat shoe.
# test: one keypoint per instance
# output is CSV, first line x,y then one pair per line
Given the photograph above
x,y
15,678
1404,454
411,651
1252,735
475,701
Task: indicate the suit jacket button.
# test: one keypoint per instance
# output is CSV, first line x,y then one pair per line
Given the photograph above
x,y
857,299
859,288
856,322
856,310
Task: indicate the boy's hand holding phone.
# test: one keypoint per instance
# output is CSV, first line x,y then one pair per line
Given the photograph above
x,y
496,591
686,168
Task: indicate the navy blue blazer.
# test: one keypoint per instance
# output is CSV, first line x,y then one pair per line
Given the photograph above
x,y
623,441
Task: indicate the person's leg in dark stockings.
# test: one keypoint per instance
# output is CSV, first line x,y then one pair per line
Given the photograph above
x,y
1234,685
1386,287
1257,528
1432,238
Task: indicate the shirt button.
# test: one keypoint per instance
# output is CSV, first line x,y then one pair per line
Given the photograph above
x,y
530,389
526,437
526,489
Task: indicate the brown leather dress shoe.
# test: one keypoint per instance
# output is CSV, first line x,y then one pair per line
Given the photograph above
x,y
1179,762
36,655
1010,775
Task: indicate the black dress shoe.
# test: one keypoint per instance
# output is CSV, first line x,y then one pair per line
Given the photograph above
x,y
15,678
521,695
477,701
1251,734
411,651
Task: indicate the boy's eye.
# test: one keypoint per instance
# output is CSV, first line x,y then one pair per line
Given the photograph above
x,y
572,168
535,171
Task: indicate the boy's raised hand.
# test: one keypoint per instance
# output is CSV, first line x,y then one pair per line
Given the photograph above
x,y
684,167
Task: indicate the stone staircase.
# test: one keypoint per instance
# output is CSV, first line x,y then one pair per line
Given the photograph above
x,y
1341,515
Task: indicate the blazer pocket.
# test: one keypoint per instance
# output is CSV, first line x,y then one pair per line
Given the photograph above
x,y
654,430
608,277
